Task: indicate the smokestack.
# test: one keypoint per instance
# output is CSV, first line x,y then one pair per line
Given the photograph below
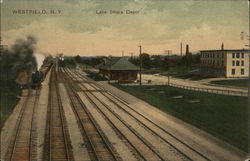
x,y
181,48
222,46
187,50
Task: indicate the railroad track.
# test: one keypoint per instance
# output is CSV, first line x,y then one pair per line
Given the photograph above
x,y
58,146
141,146
98,146
184,149
23,139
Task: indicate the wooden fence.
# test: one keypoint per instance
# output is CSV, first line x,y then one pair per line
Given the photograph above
x,y
207,90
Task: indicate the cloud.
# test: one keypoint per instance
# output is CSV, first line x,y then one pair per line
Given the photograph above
x,y
208,37
159,25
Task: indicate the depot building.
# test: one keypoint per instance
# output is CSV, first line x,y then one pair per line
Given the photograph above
x,y
118,69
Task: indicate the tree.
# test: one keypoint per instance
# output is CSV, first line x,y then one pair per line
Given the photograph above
x,y
145,58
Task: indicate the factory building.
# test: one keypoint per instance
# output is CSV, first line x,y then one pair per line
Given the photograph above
x,y
233,63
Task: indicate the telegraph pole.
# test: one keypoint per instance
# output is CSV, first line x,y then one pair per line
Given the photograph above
x,y
140,64
248,38
249,52
248,68
168,52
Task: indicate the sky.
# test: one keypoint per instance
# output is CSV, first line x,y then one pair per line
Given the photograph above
x,y
156,25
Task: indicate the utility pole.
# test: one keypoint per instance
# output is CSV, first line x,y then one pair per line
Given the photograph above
x,y
248,65
140,64
168,52
248,38
249,54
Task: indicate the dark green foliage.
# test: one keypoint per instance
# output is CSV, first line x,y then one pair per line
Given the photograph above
x,y
9,92
95,76
165,62
90,61
225,117
69,61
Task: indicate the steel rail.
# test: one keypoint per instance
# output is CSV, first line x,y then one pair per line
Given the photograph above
x,y
32,124
126,104
126,125
93,123
117,130
18,128
65,139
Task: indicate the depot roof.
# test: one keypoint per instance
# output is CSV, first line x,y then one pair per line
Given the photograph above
x,y
116,63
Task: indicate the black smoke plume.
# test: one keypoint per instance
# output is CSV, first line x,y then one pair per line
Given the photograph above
x,y
20,57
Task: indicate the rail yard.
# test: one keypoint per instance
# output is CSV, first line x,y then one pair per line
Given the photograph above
x,y
71,117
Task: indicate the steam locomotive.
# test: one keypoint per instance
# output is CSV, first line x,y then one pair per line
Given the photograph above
x,y
38,76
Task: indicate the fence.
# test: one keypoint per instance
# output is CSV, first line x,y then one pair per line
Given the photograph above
x,y
208,90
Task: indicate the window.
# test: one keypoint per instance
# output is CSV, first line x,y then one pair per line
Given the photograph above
x,y
233,63
222,55
233,55
233,71
237,63
238,55
242,63
222,62
242,55
242,71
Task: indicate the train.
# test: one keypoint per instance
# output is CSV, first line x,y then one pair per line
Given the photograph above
x,y
38,76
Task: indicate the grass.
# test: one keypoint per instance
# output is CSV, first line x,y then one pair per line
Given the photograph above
x,y
182,72
9,98
234,82
225,117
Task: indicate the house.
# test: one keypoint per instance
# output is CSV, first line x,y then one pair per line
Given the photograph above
x,y
119,69
233,63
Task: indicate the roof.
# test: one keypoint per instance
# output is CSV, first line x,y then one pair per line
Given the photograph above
x,y
115,63
226,50
22,78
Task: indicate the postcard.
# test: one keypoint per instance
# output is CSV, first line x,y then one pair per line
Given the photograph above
x,y
125,80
